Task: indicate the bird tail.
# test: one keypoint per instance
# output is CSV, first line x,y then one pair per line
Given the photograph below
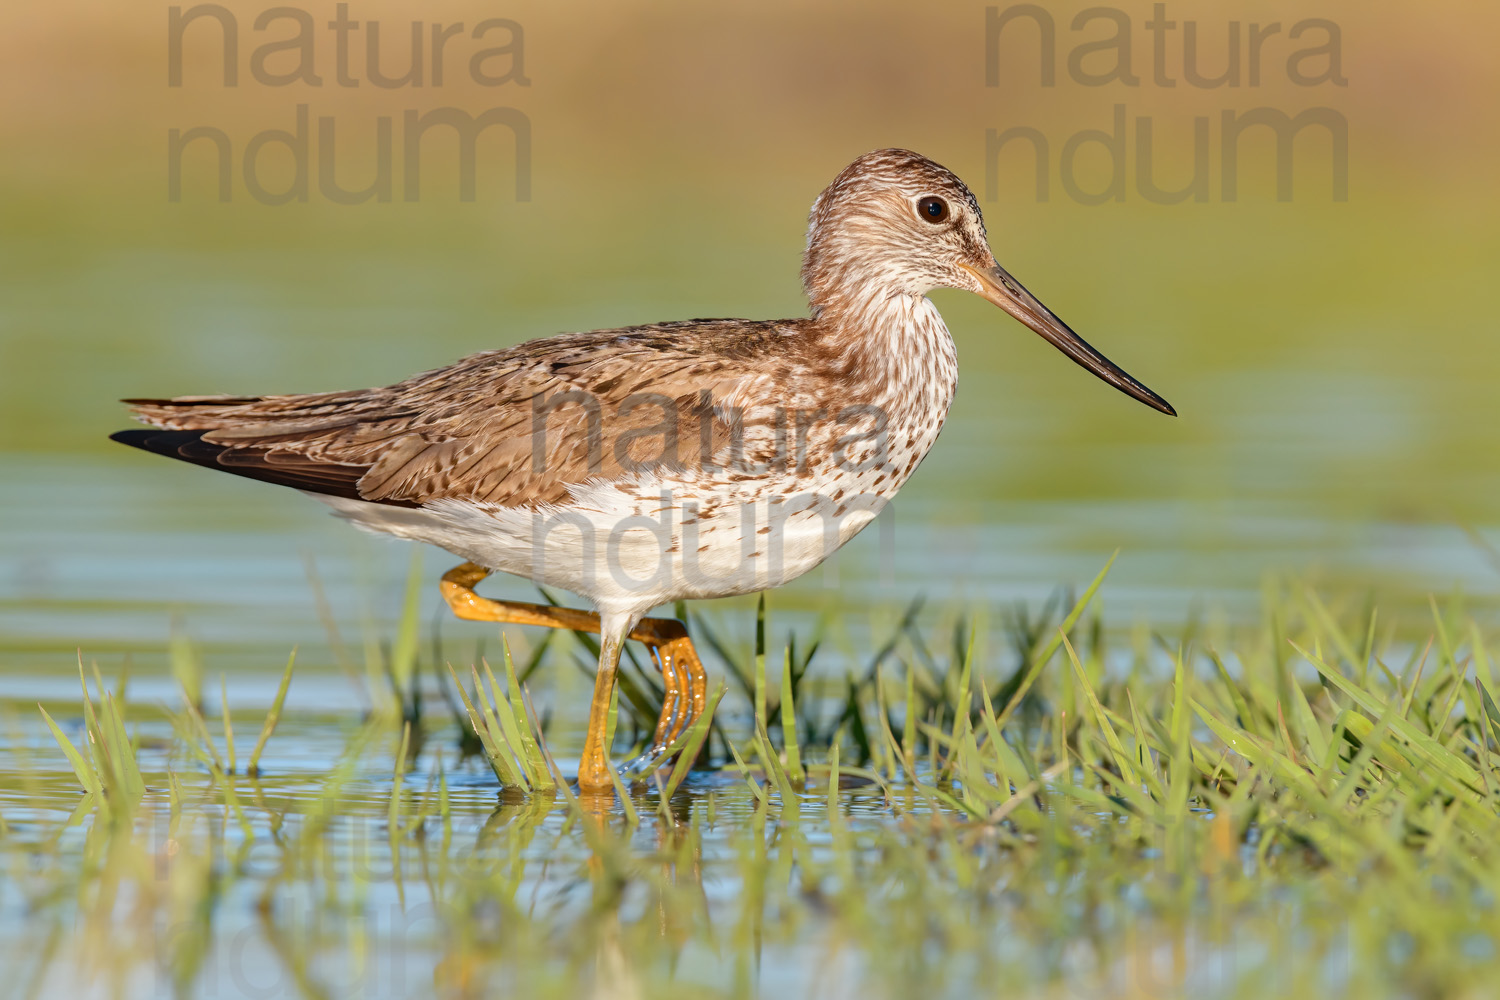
x,y
192,412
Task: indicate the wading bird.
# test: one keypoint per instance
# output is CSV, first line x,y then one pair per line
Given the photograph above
x,y
644,465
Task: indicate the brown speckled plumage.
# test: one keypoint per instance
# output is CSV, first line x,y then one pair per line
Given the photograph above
x,y
761,410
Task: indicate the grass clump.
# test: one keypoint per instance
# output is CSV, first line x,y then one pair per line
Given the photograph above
x,y
507,729
1307,806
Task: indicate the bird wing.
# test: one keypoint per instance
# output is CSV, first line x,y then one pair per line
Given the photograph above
x,y
514,427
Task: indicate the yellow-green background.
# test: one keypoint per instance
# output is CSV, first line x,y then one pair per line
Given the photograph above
x,y
1334,363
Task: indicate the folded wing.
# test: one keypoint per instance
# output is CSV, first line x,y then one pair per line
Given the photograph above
x,y
513,427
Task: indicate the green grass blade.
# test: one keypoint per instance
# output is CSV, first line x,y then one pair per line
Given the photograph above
x,y
529,752
408,631
228,725
127,771
87,777
487,728
274,716
187,669
393,809
507,720
1040,658
789,722
1180,767
632,816
1127,767
1452,764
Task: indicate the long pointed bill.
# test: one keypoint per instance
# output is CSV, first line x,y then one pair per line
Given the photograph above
x,y
1007,293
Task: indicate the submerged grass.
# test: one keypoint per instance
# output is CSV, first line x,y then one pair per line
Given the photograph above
x,y
1309,807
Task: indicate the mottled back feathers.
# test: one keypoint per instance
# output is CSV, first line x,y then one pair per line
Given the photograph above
x,y
513,427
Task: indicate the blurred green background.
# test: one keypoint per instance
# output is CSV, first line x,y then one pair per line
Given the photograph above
x,y
1334,361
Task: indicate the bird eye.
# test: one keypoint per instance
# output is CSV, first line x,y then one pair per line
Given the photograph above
x,y
932,209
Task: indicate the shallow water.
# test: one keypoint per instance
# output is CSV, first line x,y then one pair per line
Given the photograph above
x,y
299,888
357,912
322,877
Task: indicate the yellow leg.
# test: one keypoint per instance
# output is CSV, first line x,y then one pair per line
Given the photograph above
x,y
671,700
676,656
593,767
682,672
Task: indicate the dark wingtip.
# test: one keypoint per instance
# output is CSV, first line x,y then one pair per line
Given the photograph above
x,y
189,446
135,438
186,401
160,442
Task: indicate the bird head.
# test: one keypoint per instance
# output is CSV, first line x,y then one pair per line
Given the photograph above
x,y
895,223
